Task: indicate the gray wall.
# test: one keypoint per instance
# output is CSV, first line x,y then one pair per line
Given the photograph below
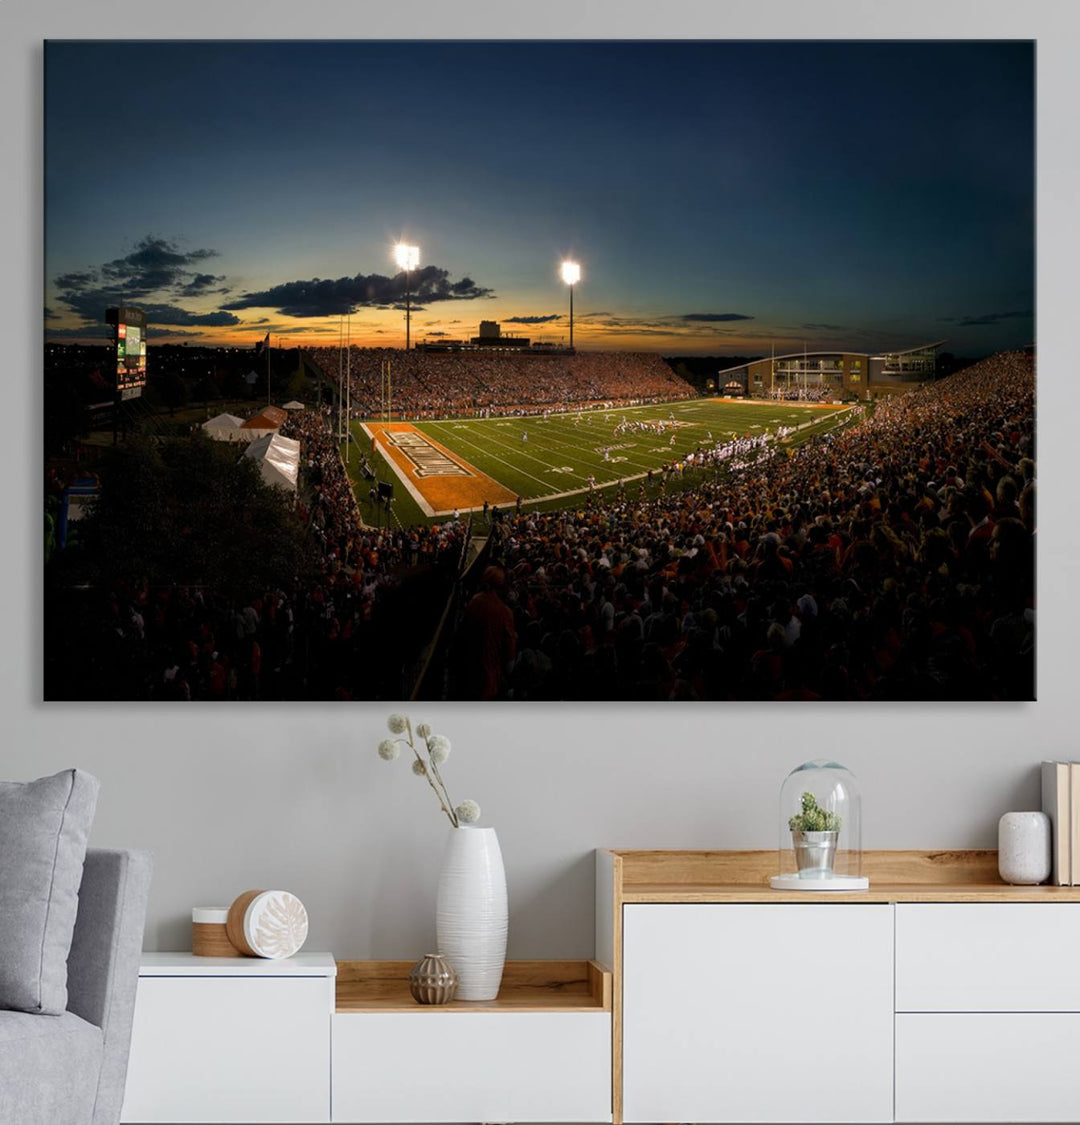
x,y
295,797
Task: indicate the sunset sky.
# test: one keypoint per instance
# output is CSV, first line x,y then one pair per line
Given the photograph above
x,y
721,197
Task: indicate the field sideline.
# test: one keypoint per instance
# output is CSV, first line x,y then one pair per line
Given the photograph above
x,y
547,461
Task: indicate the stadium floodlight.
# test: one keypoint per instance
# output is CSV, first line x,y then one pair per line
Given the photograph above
x,y
407,258
571,275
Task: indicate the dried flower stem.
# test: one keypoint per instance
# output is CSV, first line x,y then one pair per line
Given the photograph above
x,y
446,792
444,798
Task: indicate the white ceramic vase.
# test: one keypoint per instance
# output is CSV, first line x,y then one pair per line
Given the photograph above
x,y
470,913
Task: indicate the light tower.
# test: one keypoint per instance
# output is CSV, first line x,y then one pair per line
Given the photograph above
x,y
571,275
407,258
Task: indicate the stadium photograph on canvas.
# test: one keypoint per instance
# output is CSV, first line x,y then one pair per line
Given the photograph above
x,y
514,370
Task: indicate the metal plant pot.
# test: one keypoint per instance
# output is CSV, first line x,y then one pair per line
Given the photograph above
x,y
815,853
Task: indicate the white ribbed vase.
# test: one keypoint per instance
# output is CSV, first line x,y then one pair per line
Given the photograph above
x,y
470,913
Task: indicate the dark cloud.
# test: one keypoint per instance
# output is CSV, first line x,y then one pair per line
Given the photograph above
x,y
992,318
824,327
533,319
156,266
710,318
104,332
201,283
79,279
50,315
437,333
173,314
344,295
155,263
173,334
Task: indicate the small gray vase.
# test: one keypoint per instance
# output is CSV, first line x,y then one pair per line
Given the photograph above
x,y
433,980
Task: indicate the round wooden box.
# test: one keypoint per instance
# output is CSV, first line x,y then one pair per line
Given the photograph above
x,y
271,924
209,936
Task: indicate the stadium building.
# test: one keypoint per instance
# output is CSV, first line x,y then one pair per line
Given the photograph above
x,y
491,338
847,374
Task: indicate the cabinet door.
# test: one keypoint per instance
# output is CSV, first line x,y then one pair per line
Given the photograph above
x,y
230,1049
758,1013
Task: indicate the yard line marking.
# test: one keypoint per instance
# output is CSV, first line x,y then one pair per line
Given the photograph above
x,y
495,457
589,463
575,447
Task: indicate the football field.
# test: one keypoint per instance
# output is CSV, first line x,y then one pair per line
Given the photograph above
x,y
437,467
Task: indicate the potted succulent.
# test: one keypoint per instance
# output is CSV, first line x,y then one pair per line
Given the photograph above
x,y
814,835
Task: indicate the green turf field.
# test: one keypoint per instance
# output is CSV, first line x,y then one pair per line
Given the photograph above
x,y
563,451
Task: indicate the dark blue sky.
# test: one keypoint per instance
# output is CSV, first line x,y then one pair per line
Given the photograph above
x,y
866,194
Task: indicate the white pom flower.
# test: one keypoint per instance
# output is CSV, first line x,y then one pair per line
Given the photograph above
x,y
397,723
388,750
439,748
423,729
468,812
419,768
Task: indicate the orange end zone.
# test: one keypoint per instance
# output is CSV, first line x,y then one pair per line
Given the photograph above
x,y
438,480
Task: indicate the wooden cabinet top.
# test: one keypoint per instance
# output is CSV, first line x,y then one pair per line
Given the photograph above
x,y
743,876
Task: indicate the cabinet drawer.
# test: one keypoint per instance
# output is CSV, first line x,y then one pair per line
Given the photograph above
x,y
1001,1066
988,957
230,1049
758,1013
472,1066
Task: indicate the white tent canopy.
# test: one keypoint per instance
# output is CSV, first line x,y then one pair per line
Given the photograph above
x,y
278,459
294,405
225,427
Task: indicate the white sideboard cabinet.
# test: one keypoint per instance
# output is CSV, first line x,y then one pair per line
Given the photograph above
x,y
230,1039
757,1013
938,995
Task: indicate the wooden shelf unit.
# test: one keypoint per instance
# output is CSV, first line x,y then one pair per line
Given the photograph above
x,y
527,986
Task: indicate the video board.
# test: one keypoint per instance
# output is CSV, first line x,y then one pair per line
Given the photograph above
x,y
130,337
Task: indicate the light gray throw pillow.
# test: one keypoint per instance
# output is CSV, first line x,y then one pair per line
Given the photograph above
x,y
44,826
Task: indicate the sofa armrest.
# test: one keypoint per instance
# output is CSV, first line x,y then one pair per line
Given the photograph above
x,y
103,966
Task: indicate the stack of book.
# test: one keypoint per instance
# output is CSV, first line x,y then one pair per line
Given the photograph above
x,y
1061,803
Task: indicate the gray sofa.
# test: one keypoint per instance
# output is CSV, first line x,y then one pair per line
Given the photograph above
x,y
70,1069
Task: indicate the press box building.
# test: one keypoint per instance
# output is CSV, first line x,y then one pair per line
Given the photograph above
x,y
847,373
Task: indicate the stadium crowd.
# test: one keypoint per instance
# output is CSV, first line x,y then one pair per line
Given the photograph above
x,y
893,559
436,385
890,559
350,630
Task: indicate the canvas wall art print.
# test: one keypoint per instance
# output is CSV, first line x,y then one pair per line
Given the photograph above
x,y
539,371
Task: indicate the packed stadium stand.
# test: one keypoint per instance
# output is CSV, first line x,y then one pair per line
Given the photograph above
x,y
892,559
426,385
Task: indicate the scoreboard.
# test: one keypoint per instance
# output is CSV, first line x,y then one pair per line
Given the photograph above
x,y
129,335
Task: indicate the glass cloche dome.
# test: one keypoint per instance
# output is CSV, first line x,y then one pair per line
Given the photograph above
x,y
820,830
